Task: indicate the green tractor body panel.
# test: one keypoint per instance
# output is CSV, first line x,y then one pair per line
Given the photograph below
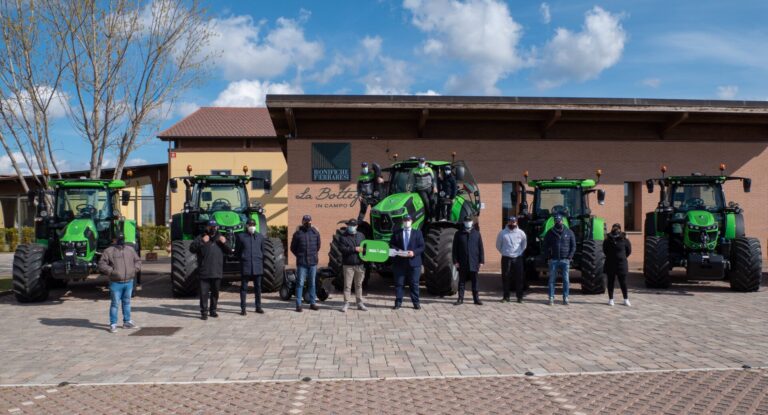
x,y
226,218
77,232
701,231
87,183
730,226
388,214
458,205
130,232
374,251
598,229
550,222
562,183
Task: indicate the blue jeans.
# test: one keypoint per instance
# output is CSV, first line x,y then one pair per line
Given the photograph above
x,y
412,274
302,272
120,292
556,265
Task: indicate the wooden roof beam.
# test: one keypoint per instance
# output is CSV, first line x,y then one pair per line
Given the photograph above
x,y
423,122
291,119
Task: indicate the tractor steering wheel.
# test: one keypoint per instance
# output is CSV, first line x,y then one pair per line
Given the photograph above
x,y
693,203
86,209
221,204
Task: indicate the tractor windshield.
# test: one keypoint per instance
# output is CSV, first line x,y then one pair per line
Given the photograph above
x,y
566,201
398,181
214,197
87,203
697,196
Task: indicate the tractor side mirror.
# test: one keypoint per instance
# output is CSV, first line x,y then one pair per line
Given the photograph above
x,y
747,183
600,197
174,185
460,171
125,197
649,185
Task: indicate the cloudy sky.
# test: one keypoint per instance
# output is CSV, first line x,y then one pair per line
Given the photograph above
x,y
696,49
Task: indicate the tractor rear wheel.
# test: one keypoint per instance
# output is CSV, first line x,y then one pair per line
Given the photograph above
x,y
656,262
441,275
29,284
184,280
334,261
592,268
274,265
746,265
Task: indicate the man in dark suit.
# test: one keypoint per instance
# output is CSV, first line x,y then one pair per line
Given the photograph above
x,y
411,240
250,252
468,257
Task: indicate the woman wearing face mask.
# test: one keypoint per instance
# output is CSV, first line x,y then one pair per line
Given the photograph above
x,y
617,249
468,257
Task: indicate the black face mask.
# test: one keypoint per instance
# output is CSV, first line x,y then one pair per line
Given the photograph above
x,y
212,231
615,231
511,226
307,225
120,242
559,226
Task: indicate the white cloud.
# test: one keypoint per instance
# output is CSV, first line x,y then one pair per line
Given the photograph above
x,y
428,92
546,15
739,49
727,91
248,93
242,53
652,82
584,55
481,33
57,101
391,77
372,46
6,168
185,108
136,162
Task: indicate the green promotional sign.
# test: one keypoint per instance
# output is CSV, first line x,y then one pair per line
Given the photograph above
x,y
374,251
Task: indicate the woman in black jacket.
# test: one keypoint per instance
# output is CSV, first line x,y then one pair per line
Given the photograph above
x,y
617,249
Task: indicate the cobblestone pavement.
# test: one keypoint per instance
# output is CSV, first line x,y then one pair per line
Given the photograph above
x,y
681,392
691,326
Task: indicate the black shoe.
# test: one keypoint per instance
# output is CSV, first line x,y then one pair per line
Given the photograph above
x,y
396,307
203,316
214,314
417,306
314,307
478,302
259,310
520,300
460,301
243,312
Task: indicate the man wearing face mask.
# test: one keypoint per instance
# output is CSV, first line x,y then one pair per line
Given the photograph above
x,y
422,181
468,257
366,185
448,188
352,265
120,264
305,245
210,248
511,243
250,252
560,246
617,249
409,267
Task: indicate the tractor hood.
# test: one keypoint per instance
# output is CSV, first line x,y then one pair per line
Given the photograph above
x,y
78,230
395,202
700,218
227,218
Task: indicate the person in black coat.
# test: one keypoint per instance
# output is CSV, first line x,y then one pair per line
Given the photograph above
x,y
250,252
448,189
617,249
210,248
305,244
560,247
468,257
411,240
352,266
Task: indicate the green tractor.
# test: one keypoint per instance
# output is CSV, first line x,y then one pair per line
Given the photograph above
x,y
440,275
569,198
74,223
694,228
225,199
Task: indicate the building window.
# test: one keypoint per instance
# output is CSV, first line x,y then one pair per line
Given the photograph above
x,y
221,172
331,162
632,216
510,200
260,176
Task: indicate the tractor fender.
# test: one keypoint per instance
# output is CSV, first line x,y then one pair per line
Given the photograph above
x,y
598,228
130,232
734,226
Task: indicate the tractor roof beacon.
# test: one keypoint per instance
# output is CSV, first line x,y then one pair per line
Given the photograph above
x,y
570,199
693,227
397,199
223,198
74,222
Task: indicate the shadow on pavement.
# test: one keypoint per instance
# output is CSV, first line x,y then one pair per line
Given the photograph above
x,y
72,322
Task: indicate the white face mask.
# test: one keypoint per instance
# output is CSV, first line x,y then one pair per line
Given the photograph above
x,y
468,224
352,229
251,229
421,165
407,224
365,170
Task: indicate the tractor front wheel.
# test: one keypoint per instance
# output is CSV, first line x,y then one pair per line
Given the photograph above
x,y
441,275
183,269
29,284
592,268
746,265
656,262
274,265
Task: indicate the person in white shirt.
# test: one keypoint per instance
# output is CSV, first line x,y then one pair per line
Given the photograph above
x,y
511,243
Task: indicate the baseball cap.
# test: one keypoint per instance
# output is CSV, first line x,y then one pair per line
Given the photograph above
x,y
250,221
352,222
512,219
213,222
407,217
558,218
421,159
306,218
364,164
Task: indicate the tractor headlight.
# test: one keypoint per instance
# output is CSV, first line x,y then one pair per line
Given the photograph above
x,y
43,213
398,212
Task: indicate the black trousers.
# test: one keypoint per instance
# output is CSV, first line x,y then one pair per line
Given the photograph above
x,y
209,287
512,273
463,277
619,274
363,210
426,197
244,289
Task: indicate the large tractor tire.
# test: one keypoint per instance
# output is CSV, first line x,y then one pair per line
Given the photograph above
x,y
656,264
746,265
29,283
592,268
274,265
442,277
334,261
183,270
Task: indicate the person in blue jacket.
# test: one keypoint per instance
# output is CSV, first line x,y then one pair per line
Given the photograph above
x,y
250,251
411,240
559,246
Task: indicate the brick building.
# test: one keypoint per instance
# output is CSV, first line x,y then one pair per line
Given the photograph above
x,y
500,137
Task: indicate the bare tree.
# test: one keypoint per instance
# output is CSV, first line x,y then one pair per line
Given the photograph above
x,y
30,75
127,62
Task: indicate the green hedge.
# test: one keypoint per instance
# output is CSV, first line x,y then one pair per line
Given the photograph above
x,y
154,237
10,238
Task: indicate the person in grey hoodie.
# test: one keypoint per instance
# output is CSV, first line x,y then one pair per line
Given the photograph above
x,y
120,264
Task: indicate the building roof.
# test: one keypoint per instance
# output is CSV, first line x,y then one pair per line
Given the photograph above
x,y
516,118
222,122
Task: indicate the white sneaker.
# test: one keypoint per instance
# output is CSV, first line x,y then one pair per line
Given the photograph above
x,y
113,328
551,301
610,302
344,307
362,307
626,302
130,325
